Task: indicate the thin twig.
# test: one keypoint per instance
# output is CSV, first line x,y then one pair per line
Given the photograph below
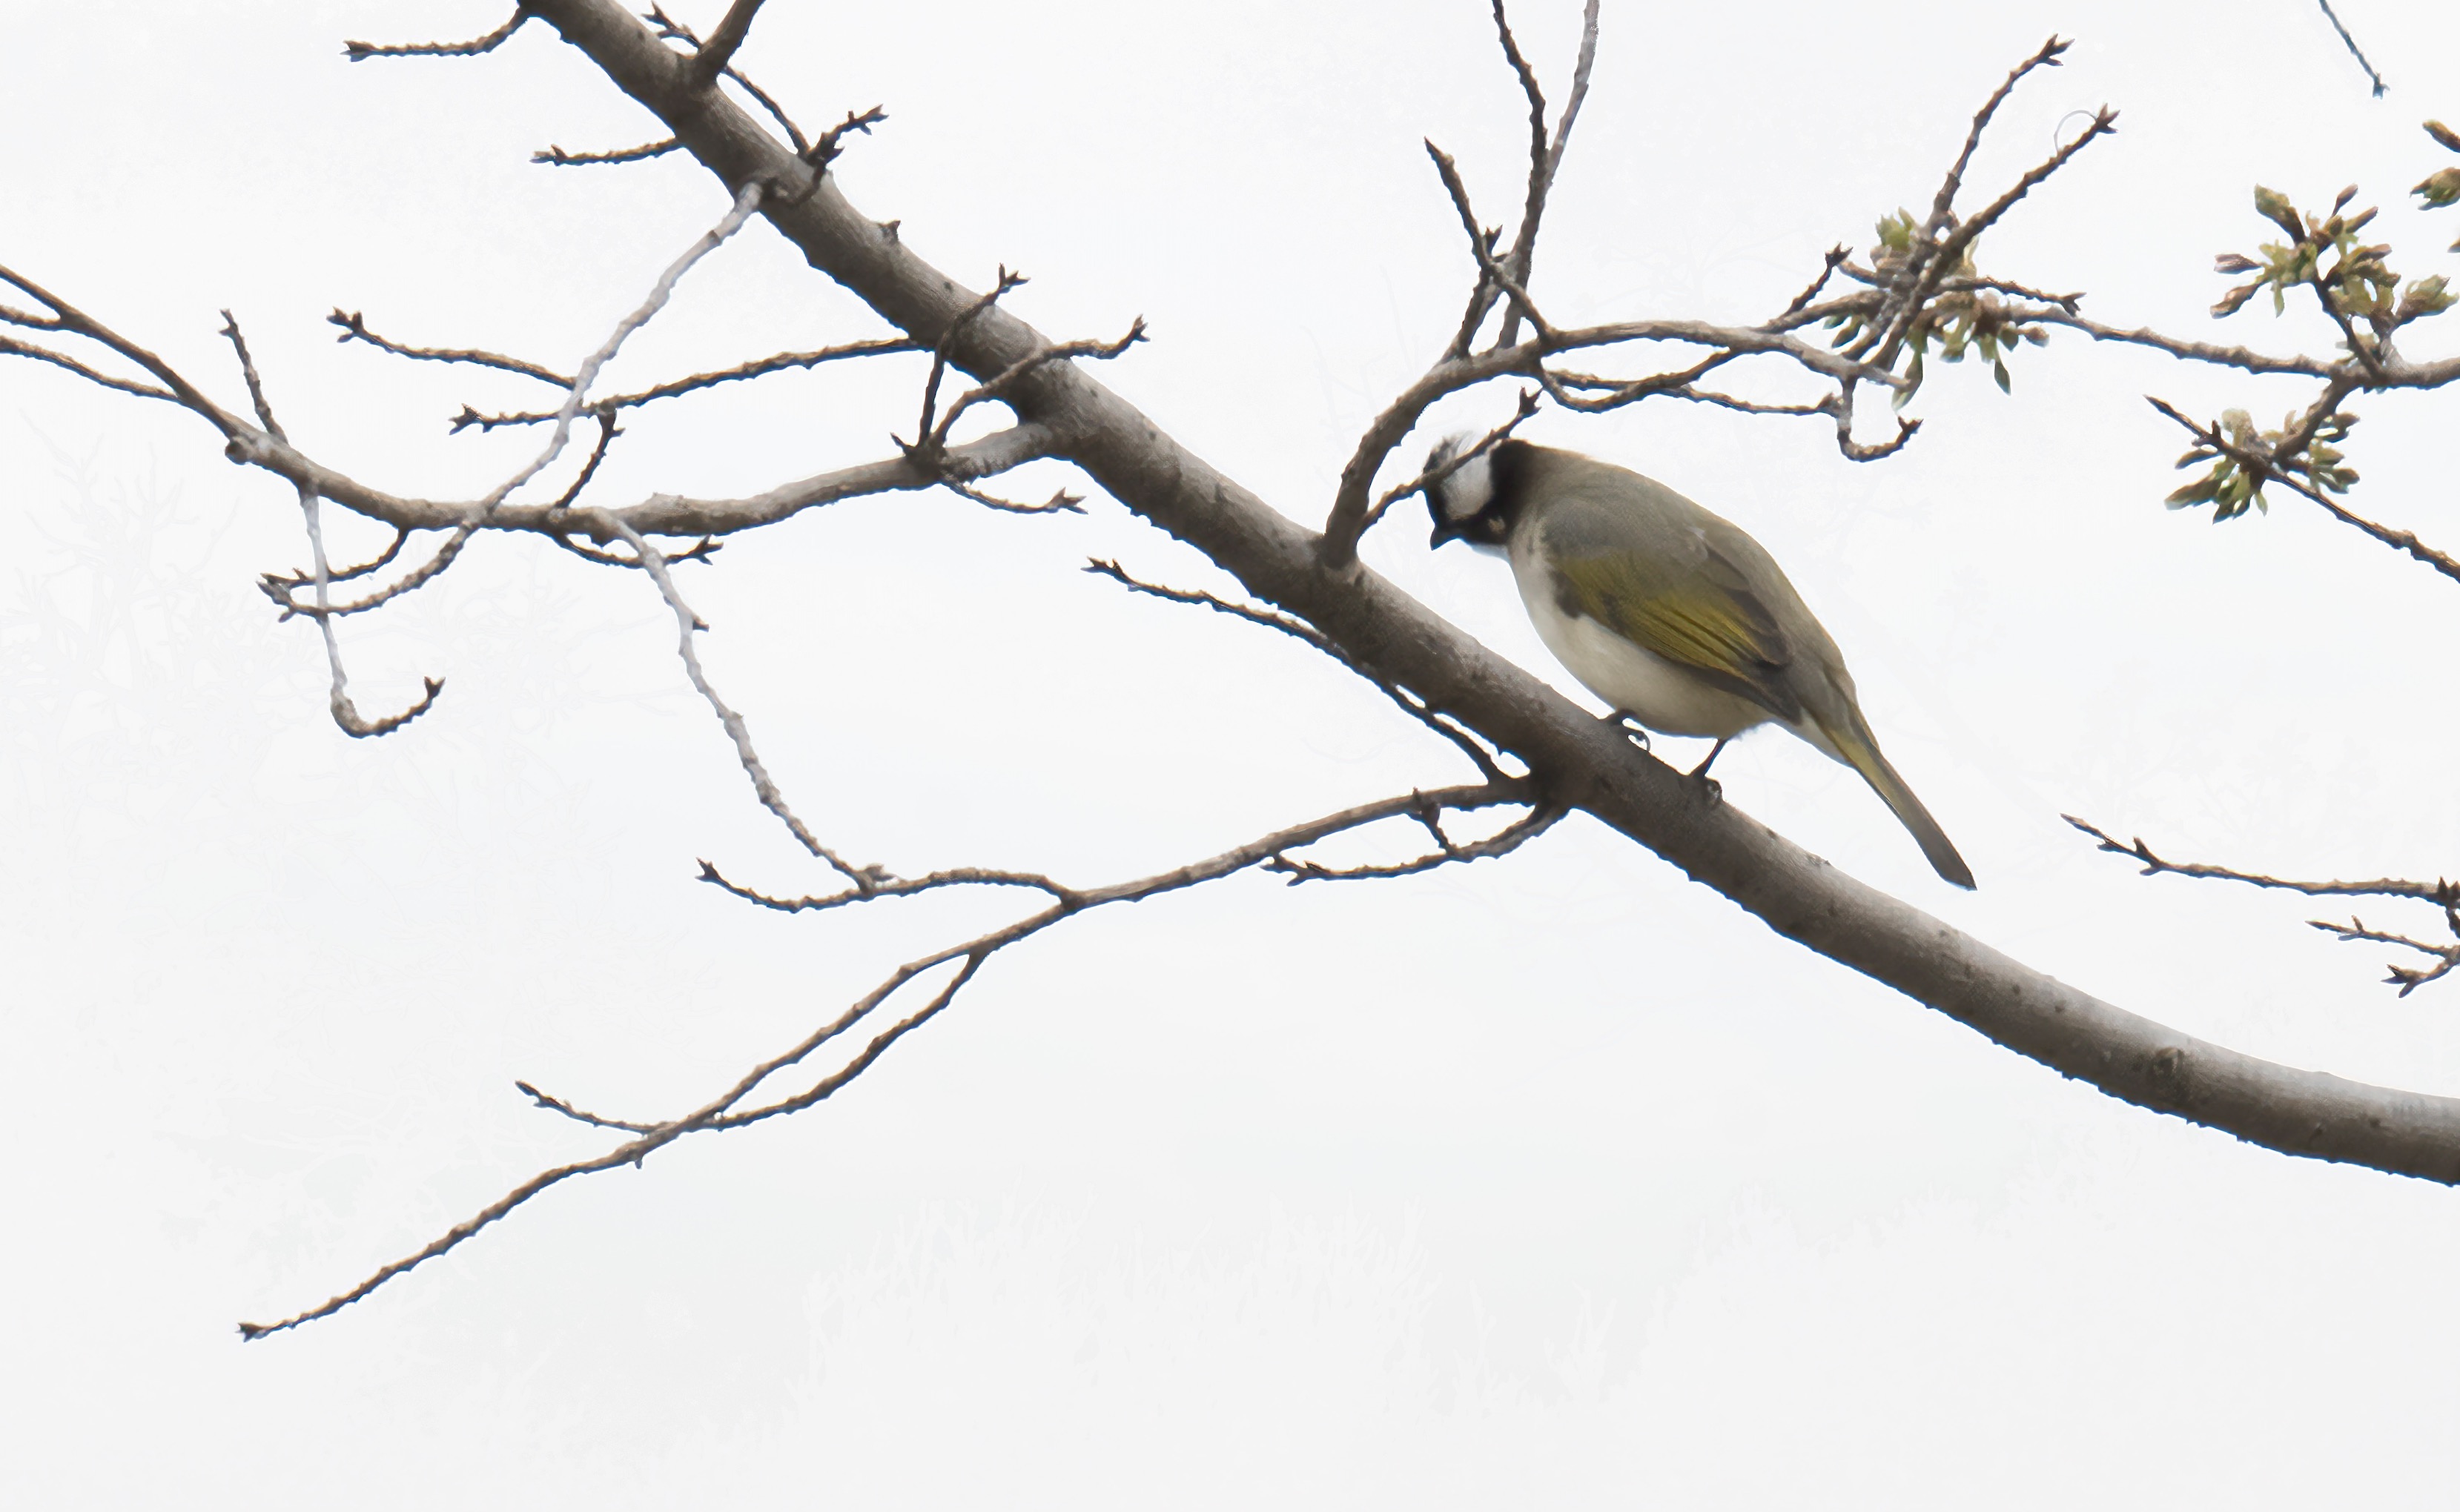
x,y
1480,244
761,368
607,431
701,550
687,627
556,156
1060,503
830,145
1527,407
556,1105
355,328
941,348
73,321
381,560
344,712
1503,842
361,52
12,346
888,888
2443,893
1006,378
2408,979
1414,706
674,30
2351,43
1545,158
280,589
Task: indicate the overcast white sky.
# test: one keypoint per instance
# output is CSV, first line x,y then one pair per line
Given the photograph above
x,y
1555,1181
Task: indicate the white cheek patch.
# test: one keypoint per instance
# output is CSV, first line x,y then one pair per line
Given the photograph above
x,y
1467,491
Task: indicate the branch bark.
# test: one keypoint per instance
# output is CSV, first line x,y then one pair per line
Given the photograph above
x,y
1578,760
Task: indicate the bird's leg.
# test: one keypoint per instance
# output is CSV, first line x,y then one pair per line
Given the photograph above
x,y
1699,773
1629,726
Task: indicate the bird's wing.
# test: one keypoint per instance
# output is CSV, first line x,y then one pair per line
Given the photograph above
x,y
1701,614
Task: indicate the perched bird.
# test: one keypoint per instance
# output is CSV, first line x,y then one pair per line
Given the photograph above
x,y
1671,615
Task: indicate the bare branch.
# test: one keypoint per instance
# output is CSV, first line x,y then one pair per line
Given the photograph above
x,y
2244,359
2351,43
381,560
701,550
11,346
782,361
1545,158
607,431
2445,893
361,52
556,156
1943,204
720,49
355,328
1006,377
721,1112
1836,255
1416,708
890,887
826,151
673,30
556,1105
345,713
661,514
2408,979
1503,842
1482,241
689,625
1060,503
940,349
255,384
68,318
281,590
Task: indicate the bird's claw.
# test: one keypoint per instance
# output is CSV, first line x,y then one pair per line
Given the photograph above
x,y
1627,726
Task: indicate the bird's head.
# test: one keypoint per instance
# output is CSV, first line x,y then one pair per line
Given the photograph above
x,y
1466,505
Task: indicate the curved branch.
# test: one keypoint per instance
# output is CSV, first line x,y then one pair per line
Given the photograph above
x,y
725,1111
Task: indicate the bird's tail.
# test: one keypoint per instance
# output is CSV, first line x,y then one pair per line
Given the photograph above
x,y
1861,750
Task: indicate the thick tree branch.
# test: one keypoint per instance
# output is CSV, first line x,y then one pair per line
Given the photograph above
x,y
2129,1057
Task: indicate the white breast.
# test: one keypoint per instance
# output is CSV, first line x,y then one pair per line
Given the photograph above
x,y
1659,693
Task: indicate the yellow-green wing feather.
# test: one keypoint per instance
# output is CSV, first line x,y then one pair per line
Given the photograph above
x,y
1704,616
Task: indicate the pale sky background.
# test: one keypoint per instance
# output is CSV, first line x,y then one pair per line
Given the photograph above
x,y
1555,1181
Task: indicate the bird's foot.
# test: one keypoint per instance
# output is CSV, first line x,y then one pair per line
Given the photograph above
x,y
1627,725
1709,788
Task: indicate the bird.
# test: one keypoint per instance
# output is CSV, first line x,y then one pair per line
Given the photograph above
x,y
1676,617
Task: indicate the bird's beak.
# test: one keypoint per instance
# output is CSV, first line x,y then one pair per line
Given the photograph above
x,y
1450,529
